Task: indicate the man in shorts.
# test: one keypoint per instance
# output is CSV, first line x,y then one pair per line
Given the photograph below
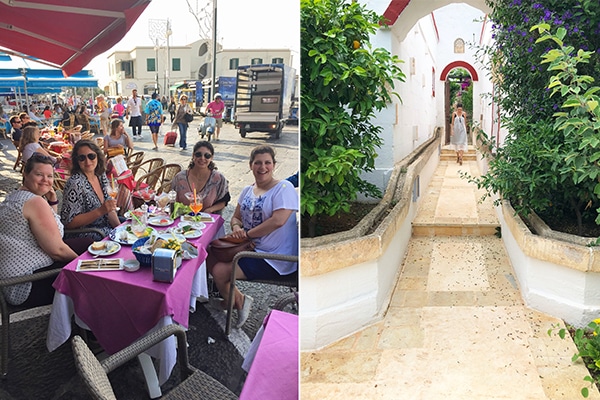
x,y
216,108
154,117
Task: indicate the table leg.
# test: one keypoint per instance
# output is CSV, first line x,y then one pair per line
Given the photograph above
x,y
150,375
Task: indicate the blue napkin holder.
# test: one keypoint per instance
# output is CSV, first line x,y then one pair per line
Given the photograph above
x,y
164,265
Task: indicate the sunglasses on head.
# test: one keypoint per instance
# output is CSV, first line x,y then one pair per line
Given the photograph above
x,y
82,157
198,154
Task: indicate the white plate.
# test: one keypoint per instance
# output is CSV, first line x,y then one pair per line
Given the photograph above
x,y
111,248
121,235
191,234
160,221
195,225
167,236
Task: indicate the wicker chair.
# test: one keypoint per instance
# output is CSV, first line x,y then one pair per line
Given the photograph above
x,y
134,159
290,281
150,179
8,309
195,383
19,156
147,166
169,172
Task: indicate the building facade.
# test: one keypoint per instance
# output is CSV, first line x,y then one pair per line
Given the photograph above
x,y
168,70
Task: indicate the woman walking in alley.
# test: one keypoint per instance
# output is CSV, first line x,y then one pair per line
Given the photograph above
x,y
459,132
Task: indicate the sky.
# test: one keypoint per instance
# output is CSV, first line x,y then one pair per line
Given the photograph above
x,y
240,25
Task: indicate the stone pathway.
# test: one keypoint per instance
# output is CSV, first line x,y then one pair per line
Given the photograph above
x,y
456,327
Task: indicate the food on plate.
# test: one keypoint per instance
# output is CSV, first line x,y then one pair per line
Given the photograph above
x,y
147,232
97,246
159,243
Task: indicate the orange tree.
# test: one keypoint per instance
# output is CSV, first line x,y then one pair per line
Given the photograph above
x,y
344,81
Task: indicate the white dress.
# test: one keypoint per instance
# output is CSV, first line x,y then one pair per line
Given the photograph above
x,y
459,139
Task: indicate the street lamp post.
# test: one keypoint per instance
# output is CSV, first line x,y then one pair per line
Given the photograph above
x,y
214,52
156,47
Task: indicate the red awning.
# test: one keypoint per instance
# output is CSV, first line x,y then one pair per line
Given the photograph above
x,y
66,33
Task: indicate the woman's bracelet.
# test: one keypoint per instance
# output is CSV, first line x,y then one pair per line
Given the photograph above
x,y
52,203
236,224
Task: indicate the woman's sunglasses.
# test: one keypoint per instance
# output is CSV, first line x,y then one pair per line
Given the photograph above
x,y
208,156
82,157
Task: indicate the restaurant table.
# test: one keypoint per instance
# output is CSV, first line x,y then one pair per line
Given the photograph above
x,y
272,360
119,307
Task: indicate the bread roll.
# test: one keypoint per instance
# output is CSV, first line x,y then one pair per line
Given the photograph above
x,y
98,246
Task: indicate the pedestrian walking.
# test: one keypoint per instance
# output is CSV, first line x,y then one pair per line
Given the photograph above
x,y
459,132
134,112
154,118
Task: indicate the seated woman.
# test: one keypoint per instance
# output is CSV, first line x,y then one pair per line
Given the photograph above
x,y
266,213
86,203
81,117
30,144
31,232
202,174
117,141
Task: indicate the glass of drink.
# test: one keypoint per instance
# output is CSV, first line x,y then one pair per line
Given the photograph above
x,y
195,202
112,190
139,222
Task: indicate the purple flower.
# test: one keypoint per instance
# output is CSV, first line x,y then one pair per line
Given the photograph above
x,y
529,49
526,19
547,15
536,6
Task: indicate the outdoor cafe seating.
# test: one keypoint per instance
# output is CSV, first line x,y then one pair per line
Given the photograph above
x,y
102,301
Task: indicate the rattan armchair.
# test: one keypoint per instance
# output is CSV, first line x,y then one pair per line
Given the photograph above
x,y
8,309
134,159
195,383
146,166
290,281
169,172
19,156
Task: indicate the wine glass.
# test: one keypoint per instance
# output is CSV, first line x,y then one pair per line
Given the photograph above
x,y
112,190
195,202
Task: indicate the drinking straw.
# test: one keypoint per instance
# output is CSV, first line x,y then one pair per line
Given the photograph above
x,y
194,194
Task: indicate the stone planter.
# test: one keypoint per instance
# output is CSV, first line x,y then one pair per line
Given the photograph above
x,y
347,279
557,273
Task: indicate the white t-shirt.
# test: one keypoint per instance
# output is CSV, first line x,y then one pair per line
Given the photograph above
x,y
134,105
257,209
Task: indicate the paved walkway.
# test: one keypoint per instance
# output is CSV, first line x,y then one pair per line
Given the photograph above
x,y
456,327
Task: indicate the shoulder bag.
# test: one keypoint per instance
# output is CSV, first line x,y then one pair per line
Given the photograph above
x,y
225,248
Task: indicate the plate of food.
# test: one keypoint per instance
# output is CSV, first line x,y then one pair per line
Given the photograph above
x,y
160,221
104,248
201,217
188,231
170,236
123,234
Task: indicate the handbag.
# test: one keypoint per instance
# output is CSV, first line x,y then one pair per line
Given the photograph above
x,y
225,248
115,151
188,117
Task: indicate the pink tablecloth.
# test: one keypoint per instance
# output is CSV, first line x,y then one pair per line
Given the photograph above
x,y
274,371
119,306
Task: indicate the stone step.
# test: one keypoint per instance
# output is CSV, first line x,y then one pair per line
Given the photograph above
x,y
430,230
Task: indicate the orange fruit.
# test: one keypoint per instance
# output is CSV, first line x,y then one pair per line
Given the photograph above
x,y
355,44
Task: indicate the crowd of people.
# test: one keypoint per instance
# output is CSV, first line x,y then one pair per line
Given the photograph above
x,y
265,212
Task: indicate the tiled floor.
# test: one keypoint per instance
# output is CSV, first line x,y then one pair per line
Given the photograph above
x,y
456,327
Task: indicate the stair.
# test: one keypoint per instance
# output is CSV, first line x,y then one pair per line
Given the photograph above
x,y
448,154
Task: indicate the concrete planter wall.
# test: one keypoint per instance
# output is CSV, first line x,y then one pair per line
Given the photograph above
x,y
347,279
558,273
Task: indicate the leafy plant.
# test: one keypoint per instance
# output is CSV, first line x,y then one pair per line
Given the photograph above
x,y
587,341
547,163
344,82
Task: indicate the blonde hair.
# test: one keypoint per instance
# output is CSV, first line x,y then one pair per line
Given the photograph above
x,y
183,96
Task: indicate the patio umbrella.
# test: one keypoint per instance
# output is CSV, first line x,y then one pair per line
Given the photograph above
x,y
65,33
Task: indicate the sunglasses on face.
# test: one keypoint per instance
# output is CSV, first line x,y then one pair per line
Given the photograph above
x,y
198,154
82,157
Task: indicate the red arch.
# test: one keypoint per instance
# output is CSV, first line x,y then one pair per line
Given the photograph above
x,y
459,64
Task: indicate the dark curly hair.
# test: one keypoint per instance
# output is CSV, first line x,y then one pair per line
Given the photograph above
x,y
100,167
209,146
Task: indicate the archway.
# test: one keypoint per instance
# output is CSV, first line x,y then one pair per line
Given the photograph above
x,y
447,96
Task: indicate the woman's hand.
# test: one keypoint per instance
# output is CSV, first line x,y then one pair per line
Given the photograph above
x,y
51,196
238,232
109,205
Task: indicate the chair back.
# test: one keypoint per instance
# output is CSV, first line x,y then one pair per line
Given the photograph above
x,y
147,166
169,172
19,156
91,371
135,159
59,182
151,179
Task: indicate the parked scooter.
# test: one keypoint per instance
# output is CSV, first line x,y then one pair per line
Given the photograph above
x,y
207,127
